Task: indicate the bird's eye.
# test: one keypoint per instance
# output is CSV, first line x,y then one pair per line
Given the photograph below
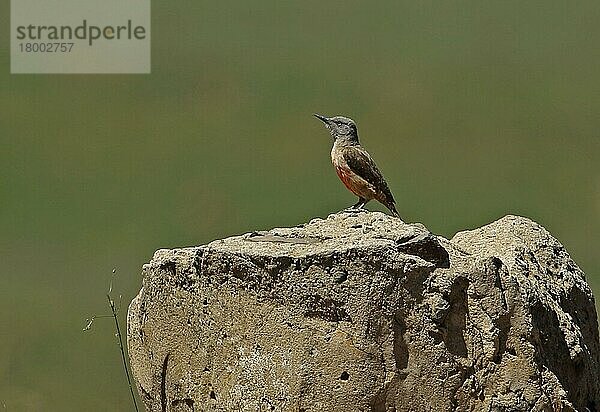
x,y
344,129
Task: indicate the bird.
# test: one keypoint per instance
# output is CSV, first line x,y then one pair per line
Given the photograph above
x,y
354,166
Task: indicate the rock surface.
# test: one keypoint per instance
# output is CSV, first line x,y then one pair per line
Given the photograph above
x,y
361,312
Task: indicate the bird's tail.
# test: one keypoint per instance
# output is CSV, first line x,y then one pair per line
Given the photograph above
x,y
392,208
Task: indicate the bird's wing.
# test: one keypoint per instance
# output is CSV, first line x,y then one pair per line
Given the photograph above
x,y
361,163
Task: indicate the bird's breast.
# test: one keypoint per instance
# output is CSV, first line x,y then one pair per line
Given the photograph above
x,y
349,178
337,158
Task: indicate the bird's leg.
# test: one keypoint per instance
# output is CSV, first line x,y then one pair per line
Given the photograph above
x,y
358,206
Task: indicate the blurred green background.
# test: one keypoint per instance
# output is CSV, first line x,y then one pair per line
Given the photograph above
x,y
472,110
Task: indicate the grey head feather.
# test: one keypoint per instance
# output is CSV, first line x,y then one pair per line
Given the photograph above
x,y
342,129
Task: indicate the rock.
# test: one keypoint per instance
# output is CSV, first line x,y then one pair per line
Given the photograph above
x,y
361,312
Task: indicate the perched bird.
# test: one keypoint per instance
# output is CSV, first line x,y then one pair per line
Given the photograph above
x,y
354,165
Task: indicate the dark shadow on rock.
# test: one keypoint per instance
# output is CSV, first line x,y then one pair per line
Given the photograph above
x,y
554,352
427,247
456,319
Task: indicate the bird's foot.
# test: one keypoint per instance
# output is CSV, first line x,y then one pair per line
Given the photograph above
x,y
353,209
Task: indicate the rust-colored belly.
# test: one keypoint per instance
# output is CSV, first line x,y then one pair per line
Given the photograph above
x,y
354,183
344,176
351,180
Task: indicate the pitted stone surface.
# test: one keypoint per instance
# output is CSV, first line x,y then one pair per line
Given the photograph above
x,y
362,312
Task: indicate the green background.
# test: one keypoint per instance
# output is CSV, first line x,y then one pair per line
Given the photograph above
x,y
472,109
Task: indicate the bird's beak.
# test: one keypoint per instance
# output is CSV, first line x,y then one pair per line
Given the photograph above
x,y
322,118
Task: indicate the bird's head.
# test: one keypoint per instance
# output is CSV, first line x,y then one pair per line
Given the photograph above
x,y
341,128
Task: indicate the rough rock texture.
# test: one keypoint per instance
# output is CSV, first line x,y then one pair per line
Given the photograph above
x,y
361,312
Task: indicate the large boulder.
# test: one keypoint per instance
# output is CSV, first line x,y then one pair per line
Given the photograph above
x,y
362,312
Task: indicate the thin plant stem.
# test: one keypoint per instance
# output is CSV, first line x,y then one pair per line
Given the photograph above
x,y
123,358
115,311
